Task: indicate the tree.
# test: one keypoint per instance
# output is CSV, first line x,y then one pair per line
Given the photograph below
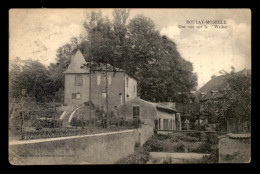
x,y
155,61
235,103
136,47
31,76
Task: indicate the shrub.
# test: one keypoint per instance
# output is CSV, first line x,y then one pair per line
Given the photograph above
x,y
115,121
212,138
77,122
212,158
179,147
47,122
154,145
194,134
140,156
204,147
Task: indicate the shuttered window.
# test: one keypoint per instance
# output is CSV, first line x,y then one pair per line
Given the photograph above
x,y
104,95
98,79
109,80
76,96
136,111
78,80
165,124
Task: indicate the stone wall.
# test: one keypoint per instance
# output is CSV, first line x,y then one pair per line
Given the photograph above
x,y
105,148
234,149
146,132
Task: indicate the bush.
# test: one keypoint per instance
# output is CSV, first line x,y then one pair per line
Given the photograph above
x,y
212,138
203,148
116,121
154,145
179,147
140,156
212,158
47,122
193,134
76,122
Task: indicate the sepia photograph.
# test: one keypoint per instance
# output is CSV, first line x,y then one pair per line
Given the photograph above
x,y
98,86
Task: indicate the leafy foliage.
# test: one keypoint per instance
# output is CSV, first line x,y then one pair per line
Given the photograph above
x,y
135,46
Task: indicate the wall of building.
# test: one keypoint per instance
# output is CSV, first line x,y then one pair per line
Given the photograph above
x,y
115,87
71,88
148,111
130,88
170,117
234,150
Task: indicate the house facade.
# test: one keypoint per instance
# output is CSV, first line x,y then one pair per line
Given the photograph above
x,y
159,115
114,87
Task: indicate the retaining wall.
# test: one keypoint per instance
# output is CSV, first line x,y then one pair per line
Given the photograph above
x,y
105,148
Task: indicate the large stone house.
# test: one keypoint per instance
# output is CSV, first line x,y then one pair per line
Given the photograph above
x,y
120,86
121,98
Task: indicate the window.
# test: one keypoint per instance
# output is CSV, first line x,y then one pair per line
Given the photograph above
x,y
136,111
78,80
98,79
134,88
159,123
104,95
165,124
127,78
109,80
76,96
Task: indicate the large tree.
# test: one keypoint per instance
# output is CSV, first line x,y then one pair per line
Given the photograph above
x,y
235,103
135,46
31,76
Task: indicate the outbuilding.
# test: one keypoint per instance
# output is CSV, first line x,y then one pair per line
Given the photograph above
x,y
159,115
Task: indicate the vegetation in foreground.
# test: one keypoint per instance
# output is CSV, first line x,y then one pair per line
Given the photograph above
x,y
177,142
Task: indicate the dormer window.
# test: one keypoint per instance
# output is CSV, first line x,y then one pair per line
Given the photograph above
x,y
214,93
203,94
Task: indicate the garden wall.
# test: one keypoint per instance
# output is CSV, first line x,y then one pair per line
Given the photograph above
x,y
105,148
146,132
235,148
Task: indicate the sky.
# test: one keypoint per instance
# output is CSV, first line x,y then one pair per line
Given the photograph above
x,y
38,33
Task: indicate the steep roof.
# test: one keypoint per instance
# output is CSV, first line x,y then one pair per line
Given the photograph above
x,y
76,63
211,89
160,106
169,106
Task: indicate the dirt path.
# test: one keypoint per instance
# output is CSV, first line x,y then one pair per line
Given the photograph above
x,y
175,157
